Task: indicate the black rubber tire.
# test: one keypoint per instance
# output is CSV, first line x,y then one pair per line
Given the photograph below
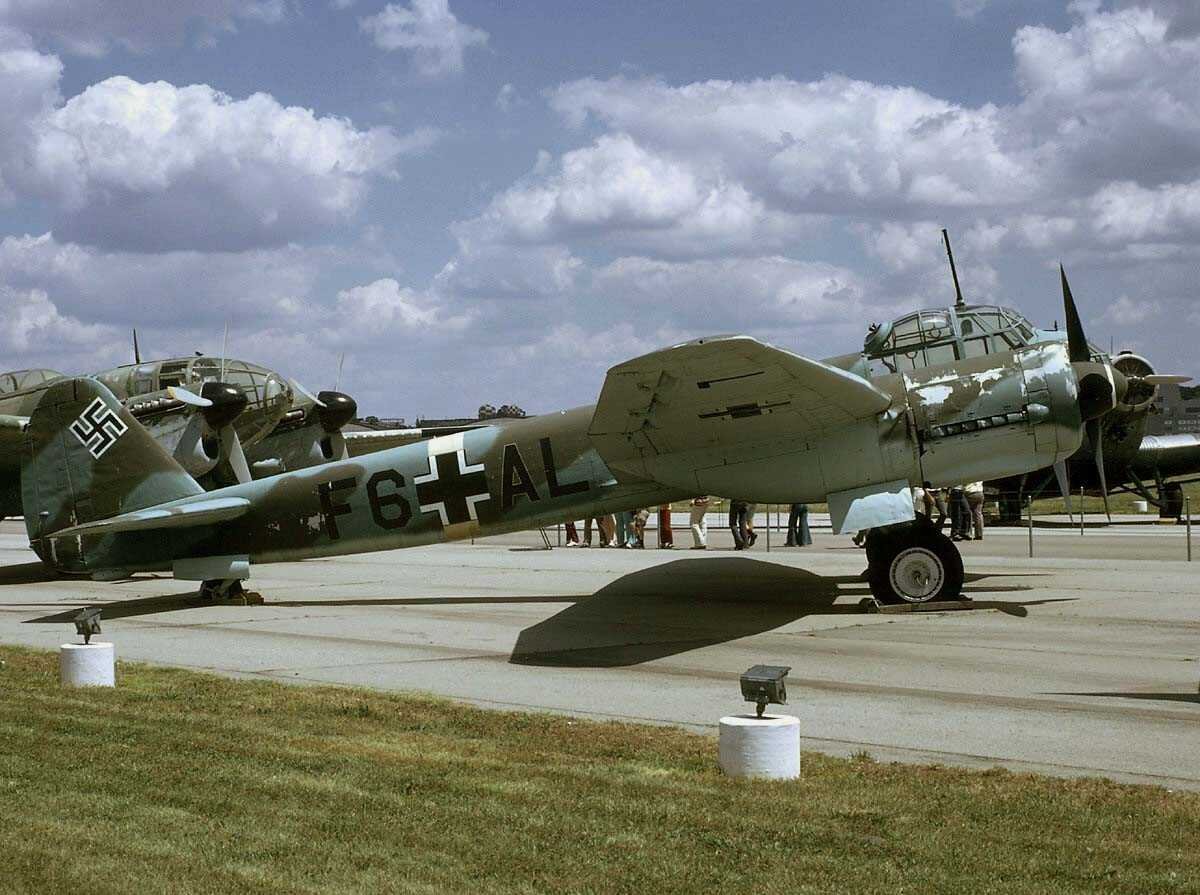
x,y
935,550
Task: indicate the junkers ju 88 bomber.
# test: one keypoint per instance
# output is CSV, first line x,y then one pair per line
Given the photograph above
x,y
725,415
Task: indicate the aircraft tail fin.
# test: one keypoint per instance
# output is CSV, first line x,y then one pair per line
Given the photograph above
x,y
86,458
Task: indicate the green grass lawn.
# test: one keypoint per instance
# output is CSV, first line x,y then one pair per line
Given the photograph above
x,y
181,782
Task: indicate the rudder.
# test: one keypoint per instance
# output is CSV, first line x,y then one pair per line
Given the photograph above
x,y
87,458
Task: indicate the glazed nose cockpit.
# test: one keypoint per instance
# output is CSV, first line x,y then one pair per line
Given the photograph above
x,y
268,394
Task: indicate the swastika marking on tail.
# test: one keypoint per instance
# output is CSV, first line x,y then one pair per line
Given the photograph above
x,y
98,428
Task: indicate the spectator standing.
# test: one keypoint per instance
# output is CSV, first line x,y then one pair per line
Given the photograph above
x,y
960,514
974,493
572,535
798,534
737,523
666,540
624,529
748,533
698,519
640,518
935,499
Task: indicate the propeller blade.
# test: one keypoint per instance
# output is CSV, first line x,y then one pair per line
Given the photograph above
x,y
1064,485
1165,379
1096,437
231,452
337,383
224,345
334,447
1077,346
177,393
296,384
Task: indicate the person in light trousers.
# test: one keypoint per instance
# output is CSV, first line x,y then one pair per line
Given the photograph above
x,y
699,521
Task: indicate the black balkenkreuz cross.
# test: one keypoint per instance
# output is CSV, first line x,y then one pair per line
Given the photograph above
x,y
451,488
98,428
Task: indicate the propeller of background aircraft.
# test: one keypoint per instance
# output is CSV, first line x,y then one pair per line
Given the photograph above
x,y
219,404
334,409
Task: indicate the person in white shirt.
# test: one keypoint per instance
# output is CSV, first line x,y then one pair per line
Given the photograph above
x,y
699,522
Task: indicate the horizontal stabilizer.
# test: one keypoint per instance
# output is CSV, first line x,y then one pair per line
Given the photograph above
x,y
169,515
12,434
715,395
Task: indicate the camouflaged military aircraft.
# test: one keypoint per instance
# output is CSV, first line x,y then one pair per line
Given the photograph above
x,y
1116,454
726,415
224,420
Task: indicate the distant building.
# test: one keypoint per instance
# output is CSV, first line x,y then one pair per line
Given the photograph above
x,y
374,422
1176,410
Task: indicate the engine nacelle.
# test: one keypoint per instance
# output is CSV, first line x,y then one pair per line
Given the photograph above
x,y
1141,394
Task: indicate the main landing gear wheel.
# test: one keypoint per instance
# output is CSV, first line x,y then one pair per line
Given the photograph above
x,y
913,563
229,590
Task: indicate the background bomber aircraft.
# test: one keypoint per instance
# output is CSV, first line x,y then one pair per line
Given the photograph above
x,y
223,420
727,415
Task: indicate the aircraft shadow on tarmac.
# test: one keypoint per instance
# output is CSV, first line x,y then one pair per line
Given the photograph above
x,y
688,604
25,573
1193,698
660,611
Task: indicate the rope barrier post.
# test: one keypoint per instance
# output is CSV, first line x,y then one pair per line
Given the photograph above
x,y
1029,505
558,533
1081,510
768,528
1187,510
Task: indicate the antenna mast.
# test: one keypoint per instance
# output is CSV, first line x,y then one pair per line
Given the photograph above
x,y
137,354
958,299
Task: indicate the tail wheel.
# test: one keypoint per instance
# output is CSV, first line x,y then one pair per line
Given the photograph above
x,y
915,564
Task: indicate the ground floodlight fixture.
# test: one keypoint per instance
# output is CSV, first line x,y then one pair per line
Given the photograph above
x,y
87,623
765,685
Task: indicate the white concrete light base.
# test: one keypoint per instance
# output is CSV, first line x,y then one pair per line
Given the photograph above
x,y
767,748
87,665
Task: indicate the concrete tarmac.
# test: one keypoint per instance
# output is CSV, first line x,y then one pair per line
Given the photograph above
x,y
1081,661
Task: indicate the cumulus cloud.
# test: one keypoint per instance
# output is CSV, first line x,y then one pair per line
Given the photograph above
x,y
34,326
158,167
1126,311
93,28
760,294
384,309
429,31
969,8
29,84
835,145
162,289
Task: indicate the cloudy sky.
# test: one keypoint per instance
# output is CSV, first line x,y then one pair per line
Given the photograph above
x,y
495,200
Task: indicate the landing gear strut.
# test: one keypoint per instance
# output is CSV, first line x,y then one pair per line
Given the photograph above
x,y
229,590
913,563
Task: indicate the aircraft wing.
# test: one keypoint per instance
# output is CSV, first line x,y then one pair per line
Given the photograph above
x,y
714,394
177,514
1167,455
367,441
